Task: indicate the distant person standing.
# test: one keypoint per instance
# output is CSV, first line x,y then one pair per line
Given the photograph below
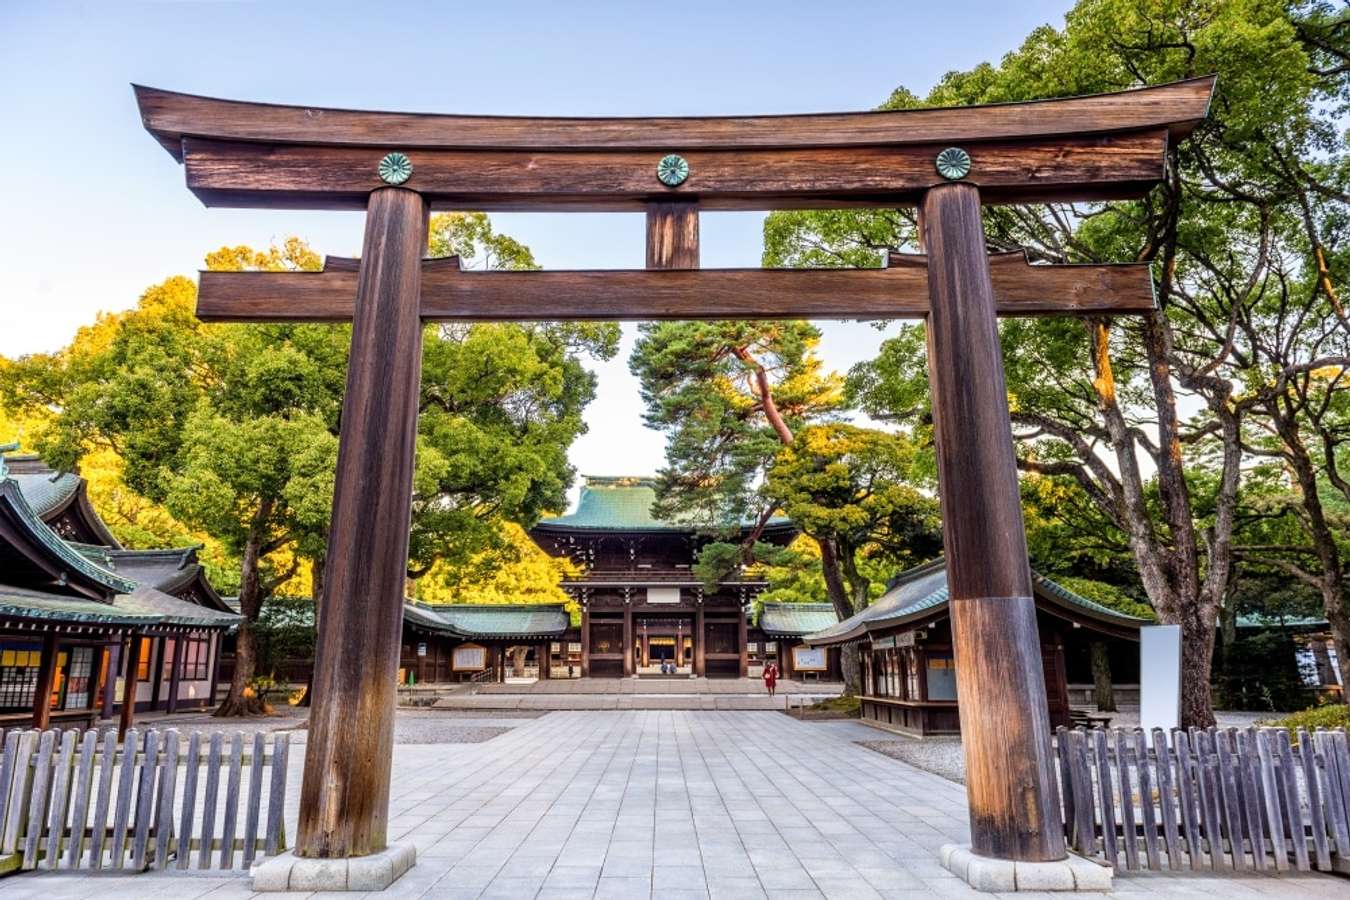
x,y
771,677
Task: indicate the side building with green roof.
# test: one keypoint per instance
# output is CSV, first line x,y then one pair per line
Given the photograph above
x,y
909,667
83,625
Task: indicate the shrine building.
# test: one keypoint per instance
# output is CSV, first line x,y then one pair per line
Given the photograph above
x,y
643,610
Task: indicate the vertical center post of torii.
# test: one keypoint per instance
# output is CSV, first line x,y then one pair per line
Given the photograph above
x,y
344,800
1005,725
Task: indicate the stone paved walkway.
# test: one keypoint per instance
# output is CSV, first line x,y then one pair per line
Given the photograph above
x,y
670,805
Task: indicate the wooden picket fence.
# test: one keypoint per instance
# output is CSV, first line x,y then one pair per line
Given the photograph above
x,y
1241,799
80,801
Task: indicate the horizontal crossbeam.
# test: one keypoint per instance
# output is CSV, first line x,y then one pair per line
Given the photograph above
x,y
450,293
303,177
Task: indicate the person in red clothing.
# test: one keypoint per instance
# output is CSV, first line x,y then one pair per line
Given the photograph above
x,y
771,676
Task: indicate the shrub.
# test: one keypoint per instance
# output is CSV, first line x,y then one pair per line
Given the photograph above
x,y
1325,715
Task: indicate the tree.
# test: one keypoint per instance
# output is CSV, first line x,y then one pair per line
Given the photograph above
x,y
729,396
1108,404
855,489
234,427
230,427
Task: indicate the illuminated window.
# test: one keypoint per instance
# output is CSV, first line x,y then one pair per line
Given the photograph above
x,y
143,664
18,676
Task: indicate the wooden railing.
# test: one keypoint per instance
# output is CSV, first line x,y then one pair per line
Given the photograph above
x,y
81,801
1218,799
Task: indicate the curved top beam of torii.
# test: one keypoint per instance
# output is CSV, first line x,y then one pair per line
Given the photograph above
x,y
255,154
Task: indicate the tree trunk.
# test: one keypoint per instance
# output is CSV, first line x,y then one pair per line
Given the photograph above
x,y
316,591
850,667
518,661
1103,691
242,699
1331,578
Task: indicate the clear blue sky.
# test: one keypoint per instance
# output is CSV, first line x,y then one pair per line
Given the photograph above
x,y
95,210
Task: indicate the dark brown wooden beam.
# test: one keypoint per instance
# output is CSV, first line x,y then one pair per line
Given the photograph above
x,y
171,116
344,798
1062,168
132,651
1005,727
46,680
898,291
672,234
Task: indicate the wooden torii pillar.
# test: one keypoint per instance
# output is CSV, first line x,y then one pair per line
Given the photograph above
x,y
947,162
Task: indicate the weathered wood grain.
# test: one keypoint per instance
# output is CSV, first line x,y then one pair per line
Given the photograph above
x,y
672,234
255,783
1138,749
60,803
275,839
344,801
232,799
106,778
1167,798
898,291
1004,722
1313,788
1253,824
37,806
168,785
1102,759
1066,168
171,116
145,797
84,784
211,792
1293,807
189,814
1127,795
1274,803
1189,792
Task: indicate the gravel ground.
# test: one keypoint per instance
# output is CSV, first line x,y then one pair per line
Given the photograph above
x,y
943,755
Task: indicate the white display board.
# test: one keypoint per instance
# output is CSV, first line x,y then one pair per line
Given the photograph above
x,y
808,659
663,595
1159,677
469,658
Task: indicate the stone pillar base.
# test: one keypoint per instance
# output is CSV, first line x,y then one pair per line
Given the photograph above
x,y
984,873
375,872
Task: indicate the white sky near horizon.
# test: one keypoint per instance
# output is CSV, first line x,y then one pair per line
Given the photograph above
x,y
96,211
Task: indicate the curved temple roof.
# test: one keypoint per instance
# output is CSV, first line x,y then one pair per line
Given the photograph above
x,y
921,594
624,503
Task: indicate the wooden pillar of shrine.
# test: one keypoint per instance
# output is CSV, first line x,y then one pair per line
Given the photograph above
x,y
1004,725
743,639
545,654
700,632
46,679
627,641
344,799
132,652
175,672
585,642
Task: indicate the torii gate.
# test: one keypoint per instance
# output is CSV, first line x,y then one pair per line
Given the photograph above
x,y
397,166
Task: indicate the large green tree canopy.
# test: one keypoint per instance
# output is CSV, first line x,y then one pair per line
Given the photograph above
x,y
1156,423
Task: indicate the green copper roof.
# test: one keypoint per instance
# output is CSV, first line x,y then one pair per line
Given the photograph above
x,y
25,604
620,503
795,619
11,493
502,620
47,491
921,592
